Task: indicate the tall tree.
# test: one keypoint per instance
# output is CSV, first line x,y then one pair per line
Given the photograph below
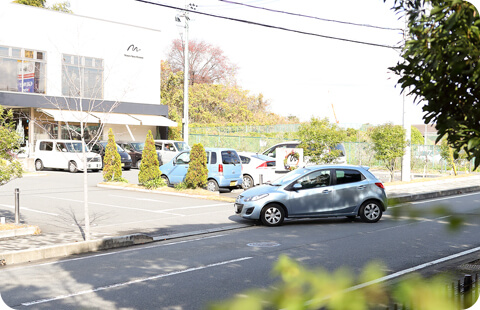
x,y
112,162
37,3
207,63
389,144
440,68
319,138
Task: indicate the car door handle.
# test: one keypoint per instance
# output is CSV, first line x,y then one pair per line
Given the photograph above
x,y
361,187
327,191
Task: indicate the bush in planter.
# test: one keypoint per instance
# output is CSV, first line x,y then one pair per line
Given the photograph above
x,y
197,170
149,169
112,163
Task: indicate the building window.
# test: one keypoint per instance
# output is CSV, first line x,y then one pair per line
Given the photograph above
x,y
82,77
22,70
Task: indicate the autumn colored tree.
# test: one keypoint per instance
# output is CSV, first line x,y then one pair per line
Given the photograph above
x,y
61,7
149,169
207,63
197,169
112,162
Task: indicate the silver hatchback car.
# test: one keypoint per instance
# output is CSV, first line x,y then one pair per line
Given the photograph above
x,y
316,191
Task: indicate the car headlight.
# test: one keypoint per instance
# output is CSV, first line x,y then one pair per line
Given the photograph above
x,y
129,157
255,198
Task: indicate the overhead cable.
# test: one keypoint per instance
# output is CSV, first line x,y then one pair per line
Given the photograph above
x,y
270,26
312,17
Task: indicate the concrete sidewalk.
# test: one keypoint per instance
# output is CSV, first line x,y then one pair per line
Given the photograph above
x,y
36,247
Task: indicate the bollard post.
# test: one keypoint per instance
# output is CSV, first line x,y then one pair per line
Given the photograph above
x,y
17,206
261,179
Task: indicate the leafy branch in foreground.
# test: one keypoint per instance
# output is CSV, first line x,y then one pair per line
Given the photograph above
x,y
302,288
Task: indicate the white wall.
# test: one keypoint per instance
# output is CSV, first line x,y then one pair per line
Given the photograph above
x,y
130,76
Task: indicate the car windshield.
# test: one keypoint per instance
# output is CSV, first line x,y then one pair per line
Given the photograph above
x,y
75,147
262,157
291,176
119,148
182,146
138,146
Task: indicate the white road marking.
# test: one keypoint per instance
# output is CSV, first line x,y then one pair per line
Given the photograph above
x,y
28,209
113,253
142,199
443,198
163,275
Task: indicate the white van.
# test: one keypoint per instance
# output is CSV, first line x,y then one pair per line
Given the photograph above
x,y
64,154
169,148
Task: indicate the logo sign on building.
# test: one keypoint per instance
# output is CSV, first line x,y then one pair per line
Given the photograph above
x,y
133,51
26,76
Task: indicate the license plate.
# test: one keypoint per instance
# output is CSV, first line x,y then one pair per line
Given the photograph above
x,y
233,183
123,164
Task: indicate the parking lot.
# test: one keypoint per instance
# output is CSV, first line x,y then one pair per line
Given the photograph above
x,y
54,201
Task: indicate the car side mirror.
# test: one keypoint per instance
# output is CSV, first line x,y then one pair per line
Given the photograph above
x,y
297,186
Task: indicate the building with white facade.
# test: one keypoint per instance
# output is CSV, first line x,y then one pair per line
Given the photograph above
x,y
59,71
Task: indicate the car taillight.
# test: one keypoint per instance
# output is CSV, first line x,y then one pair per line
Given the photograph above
x,y
263,165
220,169
379,184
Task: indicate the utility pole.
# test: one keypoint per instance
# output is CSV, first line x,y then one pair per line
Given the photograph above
x,y
186,68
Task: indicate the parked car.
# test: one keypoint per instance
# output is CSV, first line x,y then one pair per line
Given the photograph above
x,y
272,151
169,148
255,167
224,169
64,154
135,150
99,148
316,191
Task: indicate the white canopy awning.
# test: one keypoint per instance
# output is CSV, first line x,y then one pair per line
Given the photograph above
x,y
109,118
116,118
70,116
154,120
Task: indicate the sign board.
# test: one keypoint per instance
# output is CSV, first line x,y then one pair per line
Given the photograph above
x,y
288,159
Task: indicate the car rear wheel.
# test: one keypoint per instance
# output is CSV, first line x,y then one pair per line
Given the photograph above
x,y
139,163
72,167
247,182
212,185
370,211
38,165
272,215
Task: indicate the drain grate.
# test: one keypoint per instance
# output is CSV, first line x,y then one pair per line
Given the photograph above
x,y
472,266
264,244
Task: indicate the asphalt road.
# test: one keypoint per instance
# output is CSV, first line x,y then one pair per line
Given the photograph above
x,y
191,272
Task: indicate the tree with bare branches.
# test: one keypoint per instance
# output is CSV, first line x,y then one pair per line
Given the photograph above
x,y
207,63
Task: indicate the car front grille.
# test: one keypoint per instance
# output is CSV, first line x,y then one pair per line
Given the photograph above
x,y
93,159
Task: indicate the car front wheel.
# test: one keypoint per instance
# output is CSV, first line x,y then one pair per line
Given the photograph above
x,y
370,211
272,215
165,178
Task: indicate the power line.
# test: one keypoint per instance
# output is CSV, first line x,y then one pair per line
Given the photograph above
x,y
312,17
271,26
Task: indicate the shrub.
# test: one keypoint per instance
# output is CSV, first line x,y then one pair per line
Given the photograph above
x,y
112,162
149,169
155,183
197,170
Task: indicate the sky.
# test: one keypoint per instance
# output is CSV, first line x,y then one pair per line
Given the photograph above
x,y
299,74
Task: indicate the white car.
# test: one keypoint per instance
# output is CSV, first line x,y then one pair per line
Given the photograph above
x,y
64,154
169,148
256,169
